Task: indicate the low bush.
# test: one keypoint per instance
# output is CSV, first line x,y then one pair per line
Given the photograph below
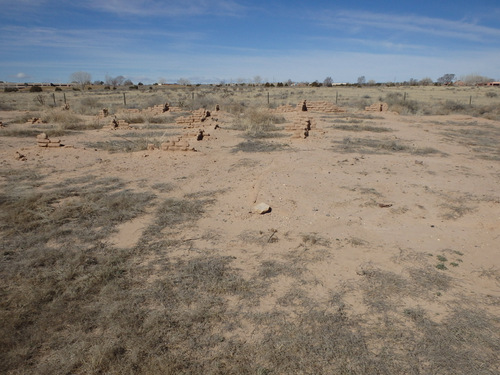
x,y
36,88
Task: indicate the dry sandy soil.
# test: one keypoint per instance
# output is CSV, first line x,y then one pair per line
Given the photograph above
x,y
380,253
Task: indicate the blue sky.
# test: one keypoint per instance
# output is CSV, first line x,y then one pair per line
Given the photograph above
x,y
210,41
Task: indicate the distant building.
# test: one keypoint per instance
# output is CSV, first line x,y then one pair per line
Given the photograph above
x,y
493,84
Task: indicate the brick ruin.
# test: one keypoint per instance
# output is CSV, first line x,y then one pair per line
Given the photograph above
x,y
195,119
116,124
301,126
103,113
43,141
35,121
179,144
300,123
377,107
325,107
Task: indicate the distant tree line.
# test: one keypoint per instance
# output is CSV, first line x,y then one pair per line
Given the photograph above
x,y
84,78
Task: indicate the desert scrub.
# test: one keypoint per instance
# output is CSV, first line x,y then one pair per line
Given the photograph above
x,y
125,145
258,123
64,119
89,105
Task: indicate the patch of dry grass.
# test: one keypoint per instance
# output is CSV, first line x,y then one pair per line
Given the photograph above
x,y
125,145
258,123
72,303
259,146
482,139
381,146
363,128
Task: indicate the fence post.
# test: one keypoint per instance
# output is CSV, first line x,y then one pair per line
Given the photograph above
x,y
54,98
124,99
268,97
470,100
336,97
64,98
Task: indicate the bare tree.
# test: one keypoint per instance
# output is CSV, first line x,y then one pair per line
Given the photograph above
x,y
446,79
81,78
361,80
183,82
426,81
257,80
328,82
474,79
114,81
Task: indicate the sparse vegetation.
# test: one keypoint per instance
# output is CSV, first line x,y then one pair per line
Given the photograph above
x,y
369,145
125,145
332,281
363,128
259,146
258,123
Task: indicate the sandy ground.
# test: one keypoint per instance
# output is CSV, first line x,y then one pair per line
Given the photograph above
x,y
374,208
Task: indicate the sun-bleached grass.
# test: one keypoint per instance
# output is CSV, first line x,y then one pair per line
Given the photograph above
x,y
176,302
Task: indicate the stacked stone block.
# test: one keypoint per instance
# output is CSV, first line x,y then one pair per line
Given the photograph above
x,y
301,126
103,113
177,145
325,107
377,107
34,121
195,119
43,141
119,124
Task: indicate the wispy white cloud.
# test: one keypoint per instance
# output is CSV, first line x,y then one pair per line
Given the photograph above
x,y
362,22
171,8
356,43
20,75
101,39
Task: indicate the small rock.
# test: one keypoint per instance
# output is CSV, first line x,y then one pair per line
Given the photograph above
x,y
261,208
